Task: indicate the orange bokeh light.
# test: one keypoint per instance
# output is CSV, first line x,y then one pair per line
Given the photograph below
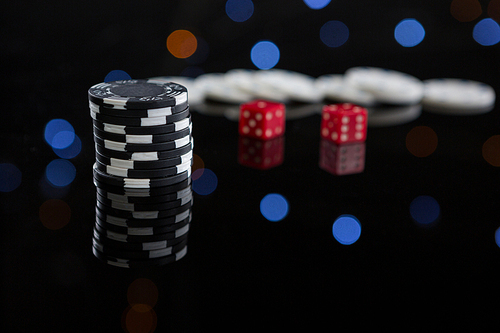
x,y
491,150
143,293
465,10
421,141
494,10
197,164
182,44
134,321
54,214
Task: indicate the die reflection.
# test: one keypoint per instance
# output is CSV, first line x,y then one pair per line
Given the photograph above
x,y
344,159
261,154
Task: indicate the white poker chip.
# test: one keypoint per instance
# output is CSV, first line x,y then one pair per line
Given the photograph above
x,y
336,88
458,96
195,96
387,86
393,115
297,86
244,79
217,88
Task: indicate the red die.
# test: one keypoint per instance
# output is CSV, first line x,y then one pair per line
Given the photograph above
x,y
261,154
343,123
342,159
262,119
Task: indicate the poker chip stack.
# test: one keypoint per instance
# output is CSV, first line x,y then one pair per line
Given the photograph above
x,y
142,172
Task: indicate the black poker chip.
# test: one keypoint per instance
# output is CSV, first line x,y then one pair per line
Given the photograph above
x,y
132,207
139,223
137,94
145,165
141,147
145,156
138,113
126,263
140,122
144,200
153,214
142,139
143,192
144,254
153,173
120,240
145,130
145,230
144,183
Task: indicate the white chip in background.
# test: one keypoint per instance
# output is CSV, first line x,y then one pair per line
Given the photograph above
x,y
458,96
298,87
244,79
387,86
334,87
384,116
195,96
216,88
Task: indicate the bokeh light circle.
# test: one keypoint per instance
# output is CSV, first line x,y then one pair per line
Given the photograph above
x,y
116,75
10,177
60,172
465,10
274,207
425,210
198,164
135,320
182,44
205,181
497,237
421,141
71,151
265,55
346,229
142,291
316,4
486,32
54,214
59,133
491,150
239,10
494,10
334,33
409,32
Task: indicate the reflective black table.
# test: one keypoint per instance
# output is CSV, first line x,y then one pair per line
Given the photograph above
x,y
419,198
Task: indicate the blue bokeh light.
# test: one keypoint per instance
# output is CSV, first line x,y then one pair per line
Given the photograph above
x,y
59,133
486,32
239,10
265,55
346,229
10,177
316,4
60,172
205,183
71,151
334,33
116,75
497,237
409,32
274,207
425,210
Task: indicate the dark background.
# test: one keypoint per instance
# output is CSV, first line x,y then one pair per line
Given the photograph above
x,y
242,270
